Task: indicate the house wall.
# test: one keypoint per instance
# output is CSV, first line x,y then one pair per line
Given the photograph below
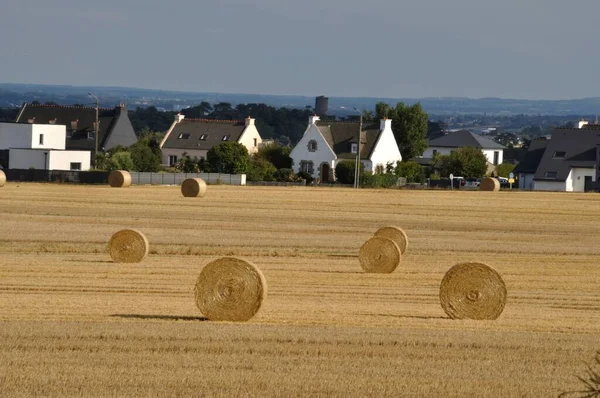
x,y
526,181
489,153
61,160
323,154
18,135
549,186
247,138
386,150
27,158
55,136
166,152
576,180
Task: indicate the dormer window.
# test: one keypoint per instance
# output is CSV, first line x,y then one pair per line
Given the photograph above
x,y
203,137
559,154
551,174
91,135
225,137
354,148
312,146
74,124
184,136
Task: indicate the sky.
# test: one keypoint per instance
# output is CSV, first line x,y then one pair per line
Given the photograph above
x,y
529,49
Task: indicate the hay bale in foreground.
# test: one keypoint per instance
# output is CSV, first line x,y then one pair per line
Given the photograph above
x,y
119,179
472,291
128,246
230,289
2,178
193,187
379,255
396,234
489,184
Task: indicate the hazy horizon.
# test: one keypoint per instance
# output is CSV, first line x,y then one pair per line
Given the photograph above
x,y
541,50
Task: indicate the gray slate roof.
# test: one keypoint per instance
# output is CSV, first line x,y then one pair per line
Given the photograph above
x,y
530,162
464,138
341,135
580,147
213,130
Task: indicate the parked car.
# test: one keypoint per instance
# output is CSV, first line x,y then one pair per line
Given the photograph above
x,y
473,182
459,182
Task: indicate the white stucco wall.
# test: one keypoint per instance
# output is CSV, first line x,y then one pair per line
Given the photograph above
x,y
23,136
247,138
576,180
323,154
489,153
386,148
526,181
166,152
549,186
61,160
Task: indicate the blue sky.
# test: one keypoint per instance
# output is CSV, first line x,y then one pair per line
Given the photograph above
x,y
534,49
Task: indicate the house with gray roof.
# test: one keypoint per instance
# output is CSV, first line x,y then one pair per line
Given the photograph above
x,y
326,143
195,137
452,141
525,170
80,122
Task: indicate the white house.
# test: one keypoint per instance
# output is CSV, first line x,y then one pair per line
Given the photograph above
x,y
326,143
196,137
445,144
40,146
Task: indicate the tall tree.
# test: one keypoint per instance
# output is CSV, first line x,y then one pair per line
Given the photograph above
x,y
228,157
410,129
383,110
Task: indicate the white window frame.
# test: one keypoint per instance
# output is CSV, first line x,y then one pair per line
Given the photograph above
x,y
353,148
172,160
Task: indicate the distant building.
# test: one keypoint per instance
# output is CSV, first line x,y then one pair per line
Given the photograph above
x,y
321,105
196,137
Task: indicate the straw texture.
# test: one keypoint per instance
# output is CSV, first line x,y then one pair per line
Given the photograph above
x,y
119,179
193,187
379,255
2,178
489,184
128,246
472,291
396,234
230,289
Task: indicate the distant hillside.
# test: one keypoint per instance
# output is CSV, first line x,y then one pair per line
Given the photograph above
x,y
13,95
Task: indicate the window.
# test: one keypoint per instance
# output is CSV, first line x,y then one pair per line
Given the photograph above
x,y
434,152
312,146
551,174
496,157
255,142
559,154
183,136
203,137
76,166
41,139
172,160
225,137
354,148
91,135
306,166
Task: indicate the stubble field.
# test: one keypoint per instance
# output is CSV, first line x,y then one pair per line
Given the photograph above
x,y
73,323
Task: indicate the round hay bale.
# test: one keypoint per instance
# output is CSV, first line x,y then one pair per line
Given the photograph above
x,y
396,234
2,178
489,184
379,255
193,187
230,289
128,246
472,291
119,179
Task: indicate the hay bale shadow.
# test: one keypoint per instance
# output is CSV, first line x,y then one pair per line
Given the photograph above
x,y
161,317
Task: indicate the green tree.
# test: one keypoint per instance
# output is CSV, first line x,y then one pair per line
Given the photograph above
x,y
228,157
412,171
383,110
504,169
146,153
466,162
187,165
278,155
261,169
120,161
344,171
409,124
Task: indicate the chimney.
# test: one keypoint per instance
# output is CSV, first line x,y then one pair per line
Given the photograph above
x,y
179,117
250,121
119,109
385,123
74,124
582,123
52,121
313,119
31,121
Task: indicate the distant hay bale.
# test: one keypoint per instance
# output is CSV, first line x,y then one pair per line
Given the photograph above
x,y
193,187
119,179
128,246
396,234
2,178
489,184
472,291
379,255
230,289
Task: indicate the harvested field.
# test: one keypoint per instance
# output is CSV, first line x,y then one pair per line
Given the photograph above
x,y
72,322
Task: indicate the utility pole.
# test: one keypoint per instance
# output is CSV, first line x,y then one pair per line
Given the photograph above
x,y
96,128
357,165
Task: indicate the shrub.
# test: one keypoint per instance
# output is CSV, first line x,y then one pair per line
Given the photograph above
x,y
285,175
344,171
228,157
260,170
412,171
305,176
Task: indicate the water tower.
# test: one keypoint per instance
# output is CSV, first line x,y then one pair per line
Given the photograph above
x,y
321,105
